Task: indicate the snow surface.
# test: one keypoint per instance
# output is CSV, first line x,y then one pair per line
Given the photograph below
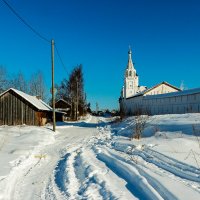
x,y
95,159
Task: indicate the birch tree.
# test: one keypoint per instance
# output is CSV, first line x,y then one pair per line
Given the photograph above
x,y
37,86
20,83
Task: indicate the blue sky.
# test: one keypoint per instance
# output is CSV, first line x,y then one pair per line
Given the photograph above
x,y
164,36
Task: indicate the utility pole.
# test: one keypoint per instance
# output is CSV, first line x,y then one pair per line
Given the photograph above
x,y
53,97
77,100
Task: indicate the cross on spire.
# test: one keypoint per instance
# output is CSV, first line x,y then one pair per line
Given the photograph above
x,y
130,63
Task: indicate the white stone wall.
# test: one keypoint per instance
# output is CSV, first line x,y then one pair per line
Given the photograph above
x,y
171,103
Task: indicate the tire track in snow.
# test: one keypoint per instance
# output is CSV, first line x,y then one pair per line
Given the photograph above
x,y
80,175
61,174
175,163
75,180
136,183
151,167
51,191
161,164
169,164
64,175
60,184
157,185
126,170
90,182
174,172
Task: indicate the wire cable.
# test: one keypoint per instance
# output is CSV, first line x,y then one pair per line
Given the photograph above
x,y
26,23
63,65
35,31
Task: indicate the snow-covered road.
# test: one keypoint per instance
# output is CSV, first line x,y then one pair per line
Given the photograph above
x,y
92,160
39,168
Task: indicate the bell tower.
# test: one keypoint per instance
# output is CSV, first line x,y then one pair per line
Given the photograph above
x,y
131,78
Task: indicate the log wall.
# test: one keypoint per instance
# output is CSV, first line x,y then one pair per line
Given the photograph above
x,y
14,110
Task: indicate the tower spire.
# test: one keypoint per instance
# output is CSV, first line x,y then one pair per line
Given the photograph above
x,y
131,78
130,62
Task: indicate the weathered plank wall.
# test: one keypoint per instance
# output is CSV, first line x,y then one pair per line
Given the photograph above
x,y
14,110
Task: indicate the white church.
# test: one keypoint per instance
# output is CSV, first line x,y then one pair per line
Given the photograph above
x,y
162,98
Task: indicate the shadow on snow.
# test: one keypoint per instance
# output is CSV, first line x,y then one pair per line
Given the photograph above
x,y
82,124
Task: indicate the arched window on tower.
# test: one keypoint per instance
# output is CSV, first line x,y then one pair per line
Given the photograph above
x,y
130,73
126,73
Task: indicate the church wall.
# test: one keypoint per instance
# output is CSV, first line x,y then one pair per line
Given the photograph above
x,y
163,104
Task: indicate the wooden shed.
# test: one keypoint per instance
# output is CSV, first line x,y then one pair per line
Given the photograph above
x,y
17,108
64,107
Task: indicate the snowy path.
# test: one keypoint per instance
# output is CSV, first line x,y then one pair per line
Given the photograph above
x,y
85,161
27,180
64,169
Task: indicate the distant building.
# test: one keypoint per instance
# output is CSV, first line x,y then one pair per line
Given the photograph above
x,y
63,106
162,98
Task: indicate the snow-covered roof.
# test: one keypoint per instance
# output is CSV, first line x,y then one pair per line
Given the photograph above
x,y
172,94
38,103
63,101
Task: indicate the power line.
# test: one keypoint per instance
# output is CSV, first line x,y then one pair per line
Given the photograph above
x,y
26,23
63,65
35,31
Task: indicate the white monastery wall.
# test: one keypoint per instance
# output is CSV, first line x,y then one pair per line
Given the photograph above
x,y
187,101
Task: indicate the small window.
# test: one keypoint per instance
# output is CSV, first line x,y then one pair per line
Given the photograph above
x,y
130,73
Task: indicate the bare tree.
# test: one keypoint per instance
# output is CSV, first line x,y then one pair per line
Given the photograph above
x,y
72,90
76,92
140,122
62,90
20,83
4,83
37,86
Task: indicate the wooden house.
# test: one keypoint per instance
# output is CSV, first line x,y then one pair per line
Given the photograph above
x,y
17,108
63,106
